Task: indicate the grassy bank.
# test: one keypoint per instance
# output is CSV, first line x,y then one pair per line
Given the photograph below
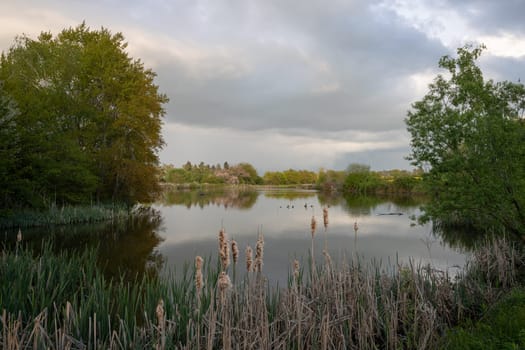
x,y
68,214
63,301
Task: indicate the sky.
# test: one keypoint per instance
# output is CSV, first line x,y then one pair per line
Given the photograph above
x,y
290,83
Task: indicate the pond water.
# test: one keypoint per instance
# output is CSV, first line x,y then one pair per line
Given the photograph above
x,y
187,224
386,232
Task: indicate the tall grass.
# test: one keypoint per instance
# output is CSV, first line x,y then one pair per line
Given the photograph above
x,y
65,215
62,301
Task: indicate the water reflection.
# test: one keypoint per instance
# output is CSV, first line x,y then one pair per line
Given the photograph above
x,y
125,249
186,223
227,197
284,217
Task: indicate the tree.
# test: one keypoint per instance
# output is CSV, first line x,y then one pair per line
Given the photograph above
x,y
360,180
468,135
11,187
89,117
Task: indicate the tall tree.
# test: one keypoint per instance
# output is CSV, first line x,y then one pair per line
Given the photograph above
x,y
91,116
468,134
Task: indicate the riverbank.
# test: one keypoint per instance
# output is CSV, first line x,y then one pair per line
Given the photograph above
x,y
65,215
63,301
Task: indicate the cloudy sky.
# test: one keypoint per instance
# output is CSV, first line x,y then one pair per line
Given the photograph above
x,y
290,84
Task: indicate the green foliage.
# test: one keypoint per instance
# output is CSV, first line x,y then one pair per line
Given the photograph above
x,y
503,327
331,180
242,173
86,124
468,134
290,177
360,180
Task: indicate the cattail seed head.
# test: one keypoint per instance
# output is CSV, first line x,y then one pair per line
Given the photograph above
x,y
259,253
225,256
222,239
356,227
327,257
224,250
313,225
224,282
198,262
235,251
160,313
198,274
296,269
249,258
325,217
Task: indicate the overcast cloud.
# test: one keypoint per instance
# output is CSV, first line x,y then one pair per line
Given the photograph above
x,y
280,84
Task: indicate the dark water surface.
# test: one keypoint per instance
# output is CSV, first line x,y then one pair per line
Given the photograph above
x,y
185,224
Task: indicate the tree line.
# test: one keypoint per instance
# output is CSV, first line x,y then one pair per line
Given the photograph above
x,y
80,121
356,179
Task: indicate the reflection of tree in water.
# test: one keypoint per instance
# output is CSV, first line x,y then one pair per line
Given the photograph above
x,y
329,199
126,246
365,205
228,197
131,249
290,194
360,205
459,237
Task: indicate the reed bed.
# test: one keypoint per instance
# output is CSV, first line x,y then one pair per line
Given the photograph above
x,y
62,301
67,215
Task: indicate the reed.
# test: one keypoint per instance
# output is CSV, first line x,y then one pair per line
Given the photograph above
x,y
63,301
259,253
66,215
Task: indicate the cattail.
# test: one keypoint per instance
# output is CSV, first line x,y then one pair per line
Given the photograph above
x,y
224,281
235,251
19,236
259,253
249,258
356,227
162,324
160,313
224,250
327,257
313,226
222,239
198,273
325,218
296,269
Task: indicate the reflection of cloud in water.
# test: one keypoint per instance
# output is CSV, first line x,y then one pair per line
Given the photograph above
x,y
190,232
280,252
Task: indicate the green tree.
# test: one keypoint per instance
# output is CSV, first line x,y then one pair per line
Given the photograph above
x,y
468,134
360,180
89,117
246,173
11,185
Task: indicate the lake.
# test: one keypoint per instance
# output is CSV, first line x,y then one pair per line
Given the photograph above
x,y
386,232
185,224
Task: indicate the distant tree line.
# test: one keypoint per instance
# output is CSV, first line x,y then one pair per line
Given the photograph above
x,y
80,121
242,173
356,179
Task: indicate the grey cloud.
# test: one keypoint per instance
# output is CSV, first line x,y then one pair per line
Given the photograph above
x,y
365,58
296,68
491,17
